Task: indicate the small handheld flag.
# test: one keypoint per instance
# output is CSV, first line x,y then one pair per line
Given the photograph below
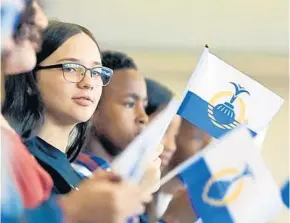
x,y
219,98
229,182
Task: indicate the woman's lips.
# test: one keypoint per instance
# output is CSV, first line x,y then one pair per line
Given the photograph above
x,y
83,101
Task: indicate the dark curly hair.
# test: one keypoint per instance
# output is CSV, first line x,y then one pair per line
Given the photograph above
x,y
117,60
158,96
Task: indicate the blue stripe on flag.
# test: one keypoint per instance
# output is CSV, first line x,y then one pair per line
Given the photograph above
x,y
196,110
285,194
195,177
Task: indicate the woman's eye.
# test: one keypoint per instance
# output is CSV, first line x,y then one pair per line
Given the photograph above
x,y
69,69
95,73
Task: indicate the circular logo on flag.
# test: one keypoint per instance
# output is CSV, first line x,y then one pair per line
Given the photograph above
x,y
226,109
225,186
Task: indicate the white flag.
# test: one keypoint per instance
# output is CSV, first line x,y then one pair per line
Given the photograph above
x,y
219,98
229,182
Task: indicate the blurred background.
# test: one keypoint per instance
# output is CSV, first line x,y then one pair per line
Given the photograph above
x,y
166,38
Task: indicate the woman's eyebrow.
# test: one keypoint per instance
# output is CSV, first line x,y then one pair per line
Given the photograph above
x,y
76,60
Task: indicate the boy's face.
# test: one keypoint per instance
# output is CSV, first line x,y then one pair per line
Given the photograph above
x,y
121,115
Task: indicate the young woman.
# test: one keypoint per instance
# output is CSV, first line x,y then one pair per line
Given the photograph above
x,y
58,98
32,183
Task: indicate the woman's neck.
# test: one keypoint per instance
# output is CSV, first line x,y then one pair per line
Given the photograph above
x,y
55,133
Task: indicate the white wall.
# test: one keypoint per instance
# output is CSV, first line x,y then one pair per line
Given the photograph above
x,y
239,25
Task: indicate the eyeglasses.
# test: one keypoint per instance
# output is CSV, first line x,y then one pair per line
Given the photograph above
x,y
75,73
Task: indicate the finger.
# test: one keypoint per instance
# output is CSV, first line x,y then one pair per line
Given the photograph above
x,y
146,197
105,175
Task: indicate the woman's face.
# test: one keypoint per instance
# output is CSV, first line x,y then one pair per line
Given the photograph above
x,y
70,103
20,55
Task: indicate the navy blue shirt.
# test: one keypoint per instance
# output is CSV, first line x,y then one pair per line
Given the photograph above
x,y
56,164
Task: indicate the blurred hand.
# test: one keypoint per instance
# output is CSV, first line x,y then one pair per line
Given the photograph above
x,y
104,198
151,179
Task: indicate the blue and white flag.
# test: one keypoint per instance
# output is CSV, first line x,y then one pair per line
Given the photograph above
x,y
219,98
229,182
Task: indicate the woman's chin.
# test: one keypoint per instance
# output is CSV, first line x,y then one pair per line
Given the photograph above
x,y
82,118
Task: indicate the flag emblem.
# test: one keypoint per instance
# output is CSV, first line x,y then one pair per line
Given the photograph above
x,y
218,98
225,186
226,109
